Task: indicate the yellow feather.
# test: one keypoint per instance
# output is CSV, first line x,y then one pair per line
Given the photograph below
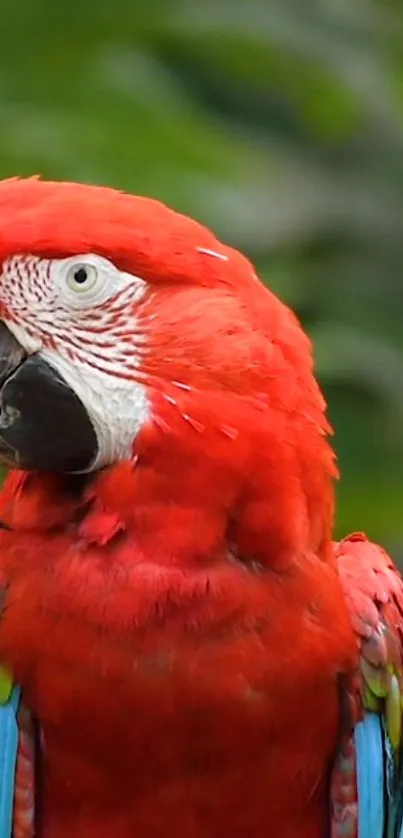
x,y
6,684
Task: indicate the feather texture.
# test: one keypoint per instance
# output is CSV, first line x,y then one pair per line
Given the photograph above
x,y
161,689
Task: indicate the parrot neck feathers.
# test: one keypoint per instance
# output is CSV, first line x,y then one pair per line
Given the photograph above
x,y
190,497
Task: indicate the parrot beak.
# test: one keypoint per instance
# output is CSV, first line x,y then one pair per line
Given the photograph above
x,y
43,424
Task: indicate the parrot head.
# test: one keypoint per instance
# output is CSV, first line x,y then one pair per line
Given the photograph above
x,y
124,324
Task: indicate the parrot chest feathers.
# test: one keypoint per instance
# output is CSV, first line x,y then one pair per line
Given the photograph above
x,y
157,687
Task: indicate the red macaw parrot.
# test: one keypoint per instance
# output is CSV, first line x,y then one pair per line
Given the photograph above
x,y
195,654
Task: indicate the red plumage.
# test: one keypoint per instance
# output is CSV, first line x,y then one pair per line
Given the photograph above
x,y
178,622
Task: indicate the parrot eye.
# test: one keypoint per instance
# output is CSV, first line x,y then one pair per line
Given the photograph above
x,y
86,280
82,278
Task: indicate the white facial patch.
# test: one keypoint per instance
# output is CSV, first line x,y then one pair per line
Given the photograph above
x,y
117,407
79,315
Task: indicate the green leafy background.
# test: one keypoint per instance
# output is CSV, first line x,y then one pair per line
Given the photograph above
x,y
279,123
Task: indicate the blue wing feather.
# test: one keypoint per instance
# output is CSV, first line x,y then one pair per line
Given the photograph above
x,y
369,743
9,738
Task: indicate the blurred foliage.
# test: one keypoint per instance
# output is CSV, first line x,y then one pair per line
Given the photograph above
x,y
279,123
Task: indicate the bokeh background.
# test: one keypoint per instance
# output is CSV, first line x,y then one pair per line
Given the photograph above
x,y
279,123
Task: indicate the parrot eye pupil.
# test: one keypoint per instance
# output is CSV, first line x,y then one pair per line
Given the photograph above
x,y
80,275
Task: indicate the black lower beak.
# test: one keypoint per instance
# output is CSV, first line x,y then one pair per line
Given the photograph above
x,y
43,424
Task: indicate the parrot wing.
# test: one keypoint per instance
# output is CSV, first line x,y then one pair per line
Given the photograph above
x,y
367,782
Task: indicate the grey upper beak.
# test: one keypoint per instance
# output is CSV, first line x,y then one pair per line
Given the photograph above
x,y
43,424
